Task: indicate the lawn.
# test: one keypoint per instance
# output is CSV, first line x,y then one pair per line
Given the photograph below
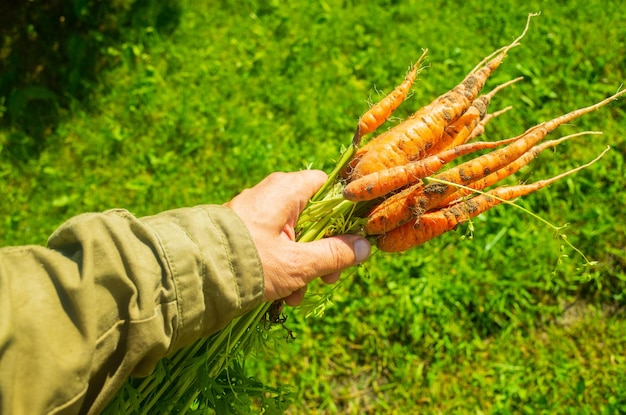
x,y
500,317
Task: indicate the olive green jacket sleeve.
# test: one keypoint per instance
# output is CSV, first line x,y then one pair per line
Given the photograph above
x,y
111,295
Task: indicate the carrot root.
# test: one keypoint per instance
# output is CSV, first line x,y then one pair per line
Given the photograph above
x,y
411,139
510,169
379,112
401,207
384,182
435,223
480,128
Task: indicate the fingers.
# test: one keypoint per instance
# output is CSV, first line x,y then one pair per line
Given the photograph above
x,y
304,184
296,297
328,257
308,184
280,197
297,186
331,278
274,204
270,211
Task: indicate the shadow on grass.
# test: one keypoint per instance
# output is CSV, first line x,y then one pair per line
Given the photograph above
x,y
53,51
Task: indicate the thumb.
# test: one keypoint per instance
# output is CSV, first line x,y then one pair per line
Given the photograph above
x,y
333,254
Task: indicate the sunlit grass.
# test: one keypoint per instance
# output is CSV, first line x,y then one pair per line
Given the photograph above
x,y
458,325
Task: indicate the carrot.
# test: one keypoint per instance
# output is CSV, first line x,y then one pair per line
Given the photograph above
x,y
510,169
459,131
480,128
383,182
411,139
487,58
379,112
435,223
479,167
399,208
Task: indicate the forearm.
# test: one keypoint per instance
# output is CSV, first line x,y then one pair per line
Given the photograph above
x,y
113,294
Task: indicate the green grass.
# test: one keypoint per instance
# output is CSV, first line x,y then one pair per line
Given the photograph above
x,y
504,321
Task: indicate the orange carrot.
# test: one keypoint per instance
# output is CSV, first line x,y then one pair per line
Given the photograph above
x,y
435,223
384,182
399,208
411,139
509,169
479,167
379,112
480,128
459,131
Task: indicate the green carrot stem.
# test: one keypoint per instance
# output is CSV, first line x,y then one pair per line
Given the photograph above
x,y
343,161
188,403
325,214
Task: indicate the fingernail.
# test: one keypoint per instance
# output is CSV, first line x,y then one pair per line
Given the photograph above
x,y
361,250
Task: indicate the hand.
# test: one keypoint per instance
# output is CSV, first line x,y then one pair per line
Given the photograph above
x,y
270,210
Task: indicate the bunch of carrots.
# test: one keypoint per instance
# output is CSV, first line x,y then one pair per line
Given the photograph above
x,y
397,181
401,189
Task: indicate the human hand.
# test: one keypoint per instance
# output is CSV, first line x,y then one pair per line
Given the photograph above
x,y
270,210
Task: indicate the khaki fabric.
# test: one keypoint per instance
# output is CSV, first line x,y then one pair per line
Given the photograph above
x,y
112,294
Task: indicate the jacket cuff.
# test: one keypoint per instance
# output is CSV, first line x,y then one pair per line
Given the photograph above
x,y
214,265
